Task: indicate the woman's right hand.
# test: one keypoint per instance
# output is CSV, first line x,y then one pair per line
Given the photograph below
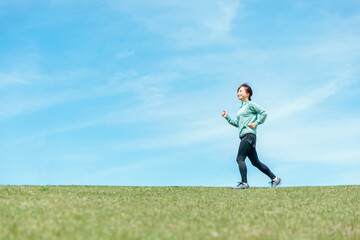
x,y
224,113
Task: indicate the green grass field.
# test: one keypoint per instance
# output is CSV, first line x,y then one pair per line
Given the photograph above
x,y
102,212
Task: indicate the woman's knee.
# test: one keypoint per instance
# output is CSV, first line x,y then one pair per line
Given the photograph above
x,y
256,163
240,159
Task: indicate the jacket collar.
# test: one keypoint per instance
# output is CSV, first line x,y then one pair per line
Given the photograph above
x,y
244,103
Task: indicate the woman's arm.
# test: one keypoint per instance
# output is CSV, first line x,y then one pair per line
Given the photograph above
x,y
231,121
260,112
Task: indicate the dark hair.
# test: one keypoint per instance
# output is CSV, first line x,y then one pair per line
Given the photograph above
x,y
247,89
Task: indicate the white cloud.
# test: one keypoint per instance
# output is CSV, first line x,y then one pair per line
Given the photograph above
x,y
17,105
221,23
6,79
186,137
332,141
149,89
19,78
309,99
214,27
124,54
194,23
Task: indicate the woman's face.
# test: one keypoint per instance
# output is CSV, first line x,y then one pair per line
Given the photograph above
x,y
242,94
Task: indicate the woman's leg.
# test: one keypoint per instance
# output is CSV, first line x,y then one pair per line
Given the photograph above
x,y
243,151
256,162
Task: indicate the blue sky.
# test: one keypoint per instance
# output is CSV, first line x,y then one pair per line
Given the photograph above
x,y
131,92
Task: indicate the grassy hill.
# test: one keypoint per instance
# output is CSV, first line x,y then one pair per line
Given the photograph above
x,y
104,212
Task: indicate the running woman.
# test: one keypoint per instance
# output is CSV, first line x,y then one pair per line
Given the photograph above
x,y
249,116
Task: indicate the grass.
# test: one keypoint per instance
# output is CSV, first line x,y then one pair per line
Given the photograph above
x,y
104,212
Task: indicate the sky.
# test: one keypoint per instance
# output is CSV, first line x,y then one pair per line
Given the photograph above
x,y
130,93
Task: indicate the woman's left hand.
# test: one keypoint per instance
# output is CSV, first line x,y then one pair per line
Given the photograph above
x,y
251,125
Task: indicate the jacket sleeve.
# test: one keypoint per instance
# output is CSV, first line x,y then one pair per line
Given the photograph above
x,y
256,109
231,121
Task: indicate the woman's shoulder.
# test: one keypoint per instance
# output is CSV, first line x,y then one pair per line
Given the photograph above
x,y
253,104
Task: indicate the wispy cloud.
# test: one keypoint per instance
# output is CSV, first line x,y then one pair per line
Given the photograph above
x,y
30,103
148,89
331,141
24,77
6,79
187,137
212,28
124,54
188,23
309,99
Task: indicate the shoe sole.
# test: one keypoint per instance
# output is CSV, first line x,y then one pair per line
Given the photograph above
x,y
239,188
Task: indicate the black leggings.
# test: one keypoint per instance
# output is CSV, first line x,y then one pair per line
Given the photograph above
x,y
247,150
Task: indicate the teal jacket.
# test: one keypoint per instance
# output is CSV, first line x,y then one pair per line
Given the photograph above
x,y
249,112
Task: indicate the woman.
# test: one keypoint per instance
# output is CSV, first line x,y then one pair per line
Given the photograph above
x,y
249,116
